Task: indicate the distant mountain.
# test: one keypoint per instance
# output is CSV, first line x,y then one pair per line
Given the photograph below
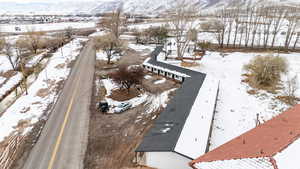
x,y
130,6
47,7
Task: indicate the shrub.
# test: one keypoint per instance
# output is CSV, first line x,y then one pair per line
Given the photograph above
x,y
205,45
2,43
266,70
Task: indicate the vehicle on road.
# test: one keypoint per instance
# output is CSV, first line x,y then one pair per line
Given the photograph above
x,y
122,107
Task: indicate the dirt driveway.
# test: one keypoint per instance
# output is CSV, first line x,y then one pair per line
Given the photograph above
x,y
113,138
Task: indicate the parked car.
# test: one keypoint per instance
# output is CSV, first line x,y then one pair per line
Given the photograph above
x,y
122,107
103,107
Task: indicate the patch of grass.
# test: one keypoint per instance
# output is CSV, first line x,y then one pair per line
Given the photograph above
x,y
291,100
189,64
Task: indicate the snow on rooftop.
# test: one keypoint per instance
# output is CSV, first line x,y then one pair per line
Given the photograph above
x,y
289,158
164,69
195,134
249,163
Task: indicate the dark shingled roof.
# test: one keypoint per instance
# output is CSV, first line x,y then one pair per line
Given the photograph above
x,y
175,114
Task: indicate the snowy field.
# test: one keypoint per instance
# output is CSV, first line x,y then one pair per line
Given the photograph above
x,y
29,108
143,26
46,27
236,109
98,33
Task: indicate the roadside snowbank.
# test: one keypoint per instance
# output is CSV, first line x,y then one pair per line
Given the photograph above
x,y
11,83
42,93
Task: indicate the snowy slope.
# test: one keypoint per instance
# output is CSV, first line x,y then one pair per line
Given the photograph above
x,y
130,6
47,7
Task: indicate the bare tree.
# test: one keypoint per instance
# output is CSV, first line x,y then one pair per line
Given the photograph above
x,y
33,41
220,26
69,32
220,32
20,50
278,22
114,22
108,43
229,22
255,24
237,23
297,40
293,22
290,90
241,31
182,21
8,51
128,76
193,36
248,24
158,33
267,21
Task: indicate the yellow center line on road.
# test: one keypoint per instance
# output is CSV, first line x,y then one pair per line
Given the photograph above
x,y
67,114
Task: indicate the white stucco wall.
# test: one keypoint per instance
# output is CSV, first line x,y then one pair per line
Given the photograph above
x,y
166,160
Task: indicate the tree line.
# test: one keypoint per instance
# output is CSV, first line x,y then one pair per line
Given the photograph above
x,y
256,26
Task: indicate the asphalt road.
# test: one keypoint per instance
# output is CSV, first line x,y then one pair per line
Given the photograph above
x,y
63,140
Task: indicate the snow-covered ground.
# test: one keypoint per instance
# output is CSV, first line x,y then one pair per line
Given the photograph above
x,y
4,64
98,33
46,27
141,48
101,55
143,26
110,86
163,80
11,83
151,102
35,59
2,79
236,109
29,108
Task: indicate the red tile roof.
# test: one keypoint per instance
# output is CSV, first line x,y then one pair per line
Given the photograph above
x,y
263,141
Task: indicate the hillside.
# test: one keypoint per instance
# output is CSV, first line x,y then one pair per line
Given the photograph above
x,y
130,6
